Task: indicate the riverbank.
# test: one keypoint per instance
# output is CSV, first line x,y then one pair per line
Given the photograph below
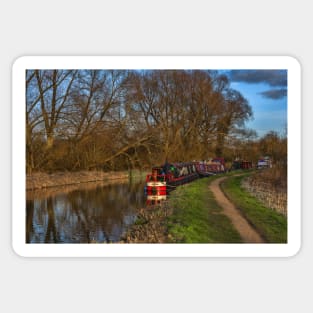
x,y
192,214
189,215
150,226
43,180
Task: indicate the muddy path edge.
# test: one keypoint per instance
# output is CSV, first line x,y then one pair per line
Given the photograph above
x,y
246,231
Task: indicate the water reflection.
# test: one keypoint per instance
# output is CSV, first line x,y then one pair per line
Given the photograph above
x,y
101,214
155,199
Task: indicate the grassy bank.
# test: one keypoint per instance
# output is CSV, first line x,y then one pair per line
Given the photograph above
x,y
45,180
270,224
197,218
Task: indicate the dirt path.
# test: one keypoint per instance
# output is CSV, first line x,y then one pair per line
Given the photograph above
x,y
246,231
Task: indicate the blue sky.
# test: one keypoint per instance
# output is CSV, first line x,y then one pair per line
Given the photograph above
x,y
266,92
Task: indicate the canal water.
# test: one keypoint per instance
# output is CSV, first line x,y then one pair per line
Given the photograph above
x,y
90,213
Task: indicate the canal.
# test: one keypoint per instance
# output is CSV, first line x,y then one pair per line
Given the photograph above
x,y
88,213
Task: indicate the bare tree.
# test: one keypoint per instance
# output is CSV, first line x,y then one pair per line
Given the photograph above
x,y
53,89
121,118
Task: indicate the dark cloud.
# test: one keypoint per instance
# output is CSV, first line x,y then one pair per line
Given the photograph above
x,y
274,93
274,78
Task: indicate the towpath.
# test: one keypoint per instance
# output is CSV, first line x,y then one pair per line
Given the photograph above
x,y
246,231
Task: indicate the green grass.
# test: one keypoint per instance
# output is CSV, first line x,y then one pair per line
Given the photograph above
x,y
197,218
270,224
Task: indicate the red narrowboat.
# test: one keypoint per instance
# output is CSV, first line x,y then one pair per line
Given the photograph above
x,y
164,178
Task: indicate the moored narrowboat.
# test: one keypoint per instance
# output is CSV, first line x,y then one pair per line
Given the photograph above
x,y
170,175
164,178
241,164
